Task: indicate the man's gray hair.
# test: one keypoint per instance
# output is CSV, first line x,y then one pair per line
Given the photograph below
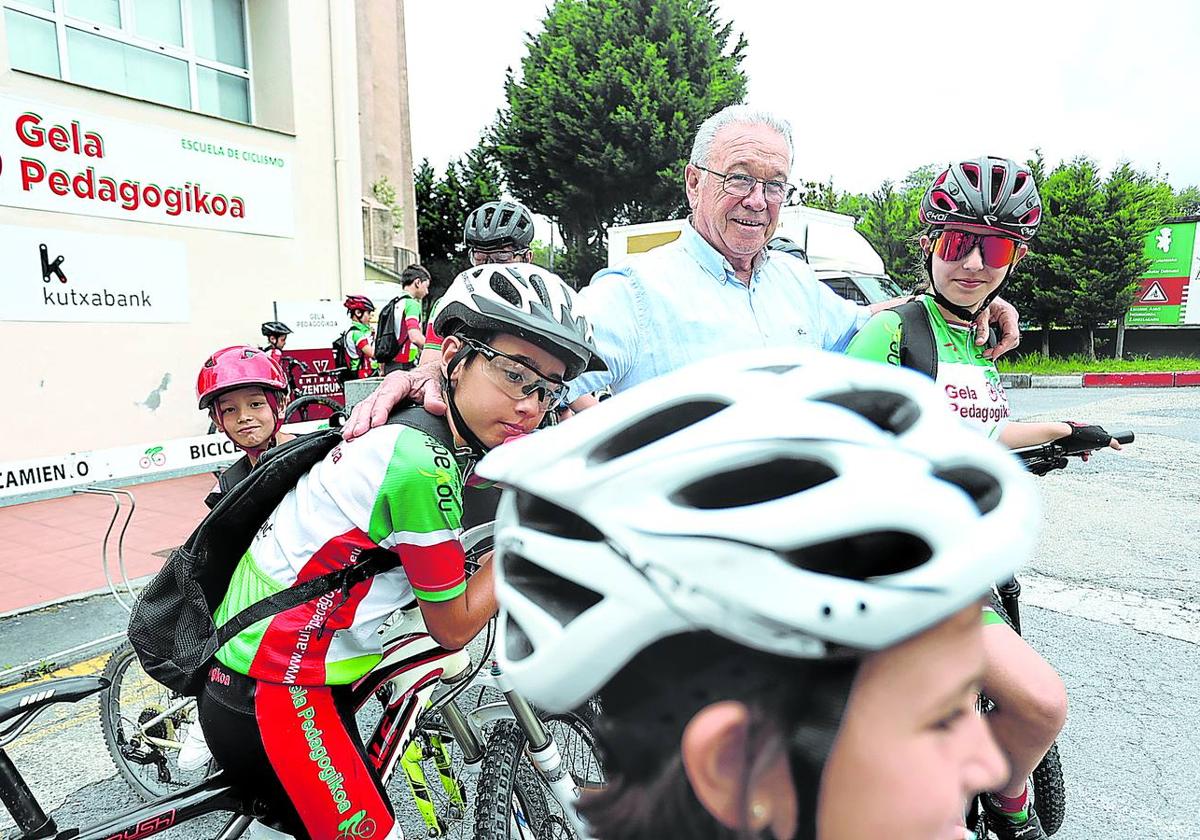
x,y
736,115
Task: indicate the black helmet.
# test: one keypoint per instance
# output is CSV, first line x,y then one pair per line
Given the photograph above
x,y
498,224
988,192
271,328
787,246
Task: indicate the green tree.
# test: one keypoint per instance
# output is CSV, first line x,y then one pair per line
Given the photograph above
x,y
1042,286
1084,265
1187,202
889,218
598,128
1131,204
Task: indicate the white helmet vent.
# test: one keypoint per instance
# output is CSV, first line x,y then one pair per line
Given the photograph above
x,y
983,489
862,556
504,287
892,412
547,517
655,427
755,483
565,600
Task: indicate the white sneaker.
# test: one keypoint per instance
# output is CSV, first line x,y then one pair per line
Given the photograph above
x,y
262,831
195,753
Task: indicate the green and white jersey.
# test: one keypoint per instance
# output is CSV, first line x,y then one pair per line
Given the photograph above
x,y
969,379
396,488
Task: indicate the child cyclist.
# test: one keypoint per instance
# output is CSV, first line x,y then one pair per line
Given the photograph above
x,y
245,393
770,568
513,339
981,214
359,344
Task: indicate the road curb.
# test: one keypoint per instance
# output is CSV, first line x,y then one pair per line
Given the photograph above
x,y
1039,380
1160,379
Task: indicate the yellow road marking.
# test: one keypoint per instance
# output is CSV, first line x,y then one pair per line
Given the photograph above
x,y
86,668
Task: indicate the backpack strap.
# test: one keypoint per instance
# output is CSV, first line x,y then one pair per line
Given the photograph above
x,y
917,348
377,560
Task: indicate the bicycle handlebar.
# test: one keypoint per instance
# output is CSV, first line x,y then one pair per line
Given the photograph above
x,y
1045,457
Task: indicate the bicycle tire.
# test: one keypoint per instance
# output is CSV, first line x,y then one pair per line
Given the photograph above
x,y
509,791
151,771
1050,791
303,404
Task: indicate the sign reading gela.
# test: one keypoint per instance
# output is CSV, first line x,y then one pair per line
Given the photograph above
x,y
63,160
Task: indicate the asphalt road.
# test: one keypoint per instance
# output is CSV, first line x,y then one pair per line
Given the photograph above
x,y
1110,599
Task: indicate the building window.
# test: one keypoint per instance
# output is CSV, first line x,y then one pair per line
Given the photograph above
x,y
186,53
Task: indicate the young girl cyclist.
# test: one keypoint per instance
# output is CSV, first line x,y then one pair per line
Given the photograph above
x,y
980,215
770,568
244,392
513,339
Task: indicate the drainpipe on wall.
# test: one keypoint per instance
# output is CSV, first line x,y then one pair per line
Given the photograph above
x,y
347,157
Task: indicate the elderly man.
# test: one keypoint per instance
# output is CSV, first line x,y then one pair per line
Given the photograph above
x,y
717,288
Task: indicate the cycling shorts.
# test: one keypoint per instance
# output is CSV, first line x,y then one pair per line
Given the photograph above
x,y
298,749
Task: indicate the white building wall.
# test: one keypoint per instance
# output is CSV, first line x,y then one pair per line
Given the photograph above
x,y
82,386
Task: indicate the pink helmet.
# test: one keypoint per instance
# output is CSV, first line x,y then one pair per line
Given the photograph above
x,y
237,367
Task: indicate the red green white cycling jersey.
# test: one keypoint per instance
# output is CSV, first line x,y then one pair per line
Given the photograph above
x,y
396,488
433,341
410,319
357,338
968,378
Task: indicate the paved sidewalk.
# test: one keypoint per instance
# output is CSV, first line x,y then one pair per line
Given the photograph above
x,y
52,550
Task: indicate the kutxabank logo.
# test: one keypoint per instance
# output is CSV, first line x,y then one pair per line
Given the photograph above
x,y
102,298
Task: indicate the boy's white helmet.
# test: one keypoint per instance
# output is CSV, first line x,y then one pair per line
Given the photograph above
x,y
800,503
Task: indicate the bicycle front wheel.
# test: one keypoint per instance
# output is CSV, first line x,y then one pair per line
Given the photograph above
x,y
143,724
514,801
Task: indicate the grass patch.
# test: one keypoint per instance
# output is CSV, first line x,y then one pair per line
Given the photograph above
x,y
1077,363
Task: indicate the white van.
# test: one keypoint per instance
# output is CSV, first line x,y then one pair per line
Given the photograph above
x,y
840,255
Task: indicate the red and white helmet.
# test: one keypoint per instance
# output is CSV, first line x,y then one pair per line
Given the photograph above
x,y
988,192
358,303
239,366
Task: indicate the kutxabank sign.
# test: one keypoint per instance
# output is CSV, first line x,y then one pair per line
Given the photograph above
x,y
61,275
58,158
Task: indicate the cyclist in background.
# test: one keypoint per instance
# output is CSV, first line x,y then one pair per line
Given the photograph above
x,y
278,696
276,333
770,568
495,232
359,344
410,333
981,215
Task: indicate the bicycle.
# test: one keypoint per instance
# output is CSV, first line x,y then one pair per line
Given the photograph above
x,y
416,729
1048,786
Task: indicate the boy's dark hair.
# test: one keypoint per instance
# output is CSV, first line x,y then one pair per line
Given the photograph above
x,y
413,273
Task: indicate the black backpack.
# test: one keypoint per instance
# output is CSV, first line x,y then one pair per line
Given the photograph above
x,y
171,628
917,349
341,359
387,343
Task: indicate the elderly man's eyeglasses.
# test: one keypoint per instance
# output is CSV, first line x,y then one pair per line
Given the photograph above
x,y
741,185
518,379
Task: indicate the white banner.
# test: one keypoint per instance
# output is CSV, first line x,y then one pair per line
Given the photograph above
x,y
57,275
126,463
57,158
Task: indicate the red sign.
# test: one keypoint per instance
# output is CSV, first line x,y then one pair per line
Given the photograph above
x,y
311,377
1161,291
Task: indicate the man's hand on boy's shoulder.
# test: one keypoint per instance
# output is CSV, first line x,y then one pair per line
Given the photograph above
x,y
422,385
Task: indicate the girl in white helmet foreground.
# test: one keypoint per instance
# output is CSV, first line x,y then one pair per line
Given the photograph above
x,y
770,568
